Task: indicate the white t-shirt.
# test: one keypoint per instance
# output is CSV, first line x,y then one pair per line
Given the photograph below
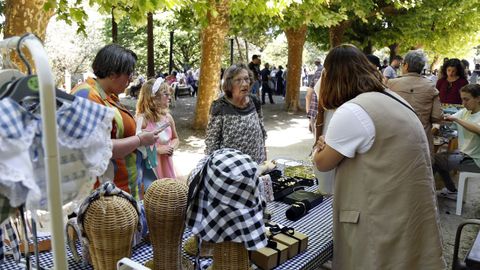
x,y
469,142
351,129
389,72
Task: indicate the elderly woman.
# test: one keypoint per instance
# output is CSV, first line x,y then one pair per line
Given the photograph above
x,y
453,78
236,119
419,92
113,67
384,209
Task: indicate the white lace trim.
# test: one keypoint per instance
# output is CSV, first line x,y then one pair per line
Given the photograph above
x,y
18,188
97,147
14,145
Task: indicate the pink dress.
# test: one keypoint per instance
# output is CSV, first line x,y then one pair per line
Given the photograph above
x,y
165,163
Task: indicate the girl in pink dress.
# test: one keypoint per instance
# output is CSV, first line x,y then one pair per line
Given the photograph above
x,y
152,108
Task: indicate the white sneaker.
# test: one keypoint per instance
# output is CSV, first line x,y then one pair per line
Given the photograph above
x,y
445,193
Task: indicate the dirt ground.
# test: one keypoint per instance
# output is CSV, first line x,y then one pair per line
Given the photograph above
x,y
288,137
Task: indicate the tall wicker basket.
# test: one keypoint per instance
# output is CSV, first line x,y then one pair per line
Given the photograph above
x,y
110,223
165,205
230,256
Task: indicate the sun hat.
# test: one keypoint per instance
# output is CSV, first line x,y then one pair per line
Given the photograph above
x,y
224,200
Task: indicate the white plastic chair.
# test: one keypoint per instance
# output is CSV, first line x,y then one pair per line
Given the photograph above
x,y
462,181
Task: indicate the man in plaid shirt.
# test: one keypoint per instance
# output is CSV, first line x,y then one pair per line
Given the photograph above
x,y
311,98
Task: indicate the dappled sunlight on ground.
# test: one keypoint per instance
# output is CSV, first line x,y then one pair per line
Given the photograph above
x,y
289,133
194,141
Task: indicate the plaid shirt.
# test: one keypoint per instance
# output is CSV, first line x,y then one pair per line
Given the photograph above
x,y
313,109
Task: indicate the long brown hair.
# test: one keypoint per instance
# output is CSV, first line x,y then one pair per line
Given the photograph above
x,y
146,104
346,74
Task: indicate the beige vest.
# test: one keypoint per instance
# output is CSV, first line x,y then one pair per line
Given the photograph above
x,y
385,211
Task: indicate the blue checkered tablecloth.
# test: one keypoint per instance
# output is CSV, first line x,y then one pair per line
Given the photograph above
x,y
317,224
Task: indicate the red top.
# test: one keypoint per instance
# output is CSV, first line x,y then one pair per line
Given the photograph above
x,y
450,91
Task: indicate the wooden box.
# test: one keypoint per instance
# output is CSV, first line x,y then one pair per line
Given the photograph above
x,y
297,243
268,258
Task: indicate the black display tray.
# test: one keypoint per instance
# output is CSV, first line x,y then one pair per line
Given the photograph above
x,y
284,186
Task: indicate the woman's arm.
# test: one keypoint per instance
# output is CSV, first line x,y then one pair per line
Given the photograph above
x,y
325,158
214,134
472,127
174,142
123,147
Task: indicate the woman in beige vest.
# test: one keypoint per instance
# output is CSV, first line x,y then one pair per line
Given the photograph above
x,y
384,210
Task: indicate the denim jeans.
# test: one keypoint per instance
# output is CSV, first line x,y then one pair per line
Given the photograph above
x,y
446,162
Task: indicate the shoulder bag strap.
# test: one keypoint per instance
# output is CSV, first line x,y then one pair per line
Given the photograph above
x,y
392,96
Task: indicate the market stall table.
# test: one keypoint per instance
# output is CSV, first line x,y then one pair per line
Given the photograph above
x,y
317,224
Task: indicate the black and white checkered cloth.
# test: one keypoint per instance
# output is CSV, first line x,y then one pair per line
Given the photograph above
x,y
317,224
227,204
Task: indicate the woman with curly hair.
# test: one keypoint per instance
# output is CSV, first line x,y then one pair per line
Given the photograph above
x,y
236,118
152,114
453,78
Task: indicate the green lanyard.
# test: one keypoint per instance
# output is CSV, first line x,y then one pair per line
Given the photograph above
x,y
151,161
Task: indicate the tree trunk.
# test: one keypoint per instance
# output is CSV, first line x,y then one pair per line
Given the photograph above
x,y
114,28
22,16
246,51
296,40
150,47
336,33
435,62
393,50
213,40
368,49
240,56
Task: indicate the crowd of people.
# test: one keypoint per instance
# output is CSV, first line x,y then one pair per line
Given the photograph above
x,y
379,140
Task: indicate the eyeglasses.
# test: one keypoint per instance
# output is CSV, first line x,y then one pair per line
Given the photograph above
x,y
239,81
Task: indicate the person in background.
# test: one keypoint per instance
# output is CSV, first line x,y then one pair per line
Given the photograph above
x,y
113,67
468,157
192,83
390,72
453,78
466,65
311,98
266,89
384,208
273,79
236,118
384,66
419,92
152,112
172,78
374,60
475,74
280,81
254,67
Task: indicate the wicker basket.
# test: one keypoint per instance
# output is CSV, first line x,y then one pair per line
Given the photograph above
x,y
165,205
230,256
110,223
